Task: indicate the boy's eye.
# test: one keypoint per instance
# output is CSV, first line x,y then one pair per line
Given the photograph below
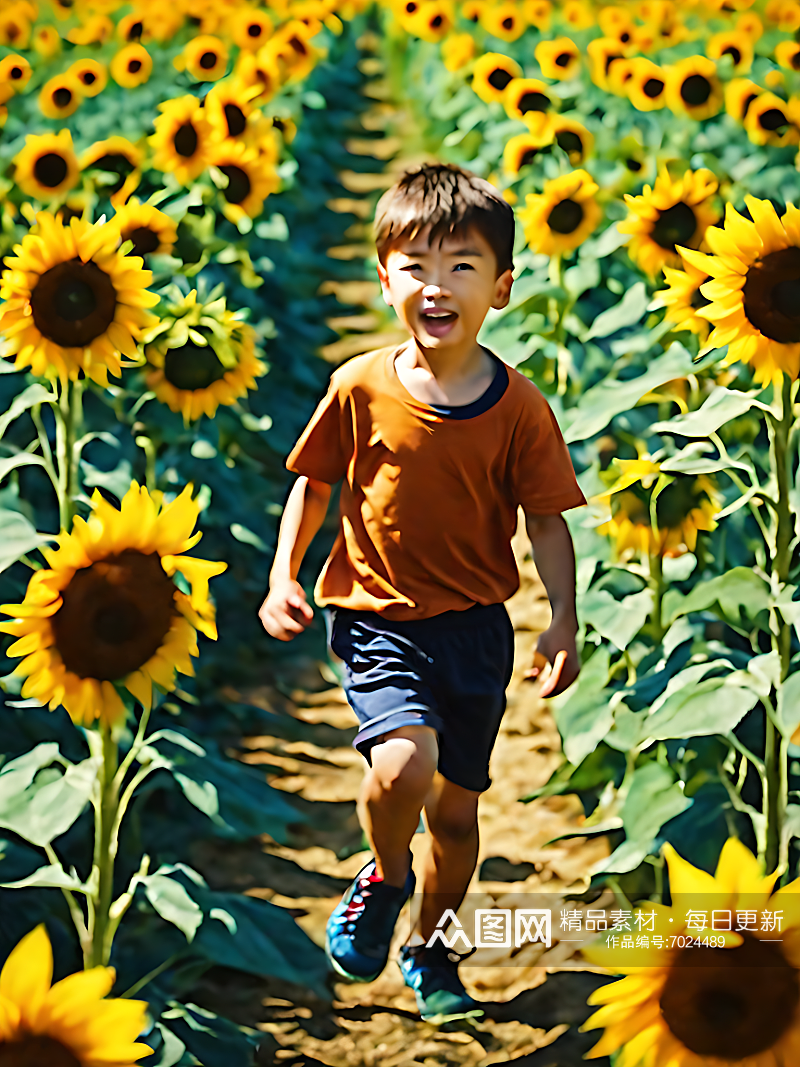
x,y
467,265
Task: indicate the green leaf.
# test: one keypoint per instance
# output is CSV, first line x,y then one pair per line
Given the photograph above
x,y
713,706
736,590
628,311
610,397
28,398
617,620
117,481
721,406
19,459
173,903
41,807
608,241
18,537
247,537
583,715
53,877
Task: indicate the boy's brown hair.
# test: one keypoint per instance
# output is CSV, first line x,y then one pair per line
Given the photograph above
x,y
450,199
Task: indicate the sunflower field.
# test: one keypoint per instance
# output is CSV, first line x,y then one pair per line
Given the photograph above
x,y
185,197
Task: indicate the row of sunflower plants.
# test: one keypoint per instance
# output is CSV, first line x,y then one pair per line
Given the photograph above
x,y
166,171
650,152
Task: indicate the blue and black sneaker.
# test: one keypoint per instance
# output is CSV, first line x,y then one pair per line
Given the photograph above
x,y
360,929
432,972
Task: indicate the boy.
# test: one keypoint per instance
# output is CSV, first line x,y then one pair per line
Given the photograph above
x,y
438,443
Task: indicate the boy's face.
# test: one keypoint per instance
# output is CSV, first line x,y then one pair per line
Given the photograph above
x,y
442,292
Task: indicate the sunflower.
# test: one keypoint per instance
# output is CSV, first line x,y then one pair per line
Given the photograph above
x,y
472,10
572,138
260,70
457,50
433,20
15,27
670,213
683,299
693,88
492,74
69,1023
504,20
754,287
577,14
612,19
538,13
688,504
527,100
732,43
559,59
769,120
250,28
290,47
118,156
182,138
204,58
107,610
149,229
604,52
647,86
96,29
60,96
131,66
71,302
205,357
130,28
750,24
15,73
47,167
228,106
93,76
706,1007
563,215
523,149
251,178
787,54
739,95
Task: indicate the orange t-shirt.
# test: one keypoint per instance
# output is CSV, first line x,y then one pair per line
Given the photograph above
x,y
428,504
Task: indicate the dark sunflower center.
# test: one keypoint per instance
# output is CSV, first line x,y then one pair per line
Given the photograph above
x,y
298,46
16,73
795,60
254,29
134,66
625,37
73,303
88,77
772,119
191,367
675,226
569,141
610,59
508,24
633,165
208,60
653,87
748,100
499,78
114,616
136,31
565,217
436,21
411,7
114,164
734,53
563,59
144,240
695,90
528,156
185,140
62,97
235,118
730,1003
238,184
50,170
532,102
36,1051
772,295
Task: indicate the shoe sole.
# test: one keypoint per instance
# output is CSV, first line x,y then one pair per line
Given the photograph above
x,y
346,974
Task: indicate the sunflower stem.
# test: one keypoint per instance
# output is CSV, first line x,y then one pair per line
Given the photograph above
x,y
104,852
657,585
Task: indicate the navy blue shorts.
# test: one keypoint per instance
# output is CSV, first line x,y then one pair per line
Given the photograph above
x,y
449,672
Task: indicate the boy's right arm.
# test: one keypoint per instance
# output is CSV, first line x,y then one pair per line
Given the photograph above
x,y
285,611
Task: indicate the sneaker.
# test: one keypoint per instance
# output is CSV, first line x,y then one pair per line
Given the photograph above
x,y
361,926
432,972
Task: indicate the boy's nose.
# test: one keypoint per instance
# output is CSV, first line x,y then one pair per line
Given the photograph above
x,y
433,290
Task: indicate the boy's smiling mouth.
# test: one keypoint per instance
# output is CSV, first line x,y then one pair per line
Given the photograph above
x,y
438,321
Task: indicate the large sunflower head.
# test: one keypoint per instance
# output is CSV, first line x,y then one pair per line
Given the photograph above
x,y
60,96
683,299
205,58
647,86
693,88
72,302
131,66
250,28
251,178
698,1006
433,20
563,215
739,95
492,74
754,288
228,106
290,47
685,505
559,59
787,54
93,76
66,1024
182,139
261,71
505,20
47,167
149,229
604,53
538,13
120,164
528,100
671,213
733,43
46,41
202,355
770,120
15,73
522,150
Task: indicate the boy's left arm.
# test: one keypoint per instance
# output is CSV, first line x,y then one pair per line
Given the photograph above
x,y
554,557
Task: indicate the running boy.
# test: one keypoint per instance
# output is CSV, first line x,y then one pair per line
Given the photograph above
x,y
438,443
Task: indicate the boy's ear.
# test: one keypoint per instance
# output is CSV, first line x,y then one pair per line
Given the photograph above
x,y
383,274
502,289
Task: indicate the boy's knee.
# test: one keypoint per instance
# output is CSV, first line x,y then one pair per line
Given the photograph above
x,y
406,758
454,827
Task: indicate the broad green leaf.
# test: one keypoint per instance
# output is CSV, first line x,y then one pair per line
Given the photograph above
x,y
721,406
173,903
53,877
116,481
583,715
713,706
610,397
738,589
28,398
628,311
617,620
608,241
42,808
202,795
18,537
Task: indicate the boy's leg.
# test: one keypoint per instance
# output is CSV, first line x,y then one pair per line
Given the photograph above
x,y
392,794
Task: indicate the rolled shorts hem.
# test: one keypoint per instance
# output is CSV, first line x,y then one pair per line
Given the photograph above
x,y
375,728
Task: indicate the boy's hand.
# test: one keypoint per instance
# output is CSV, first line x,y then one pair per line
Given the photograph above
x,y
286,612
557,647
